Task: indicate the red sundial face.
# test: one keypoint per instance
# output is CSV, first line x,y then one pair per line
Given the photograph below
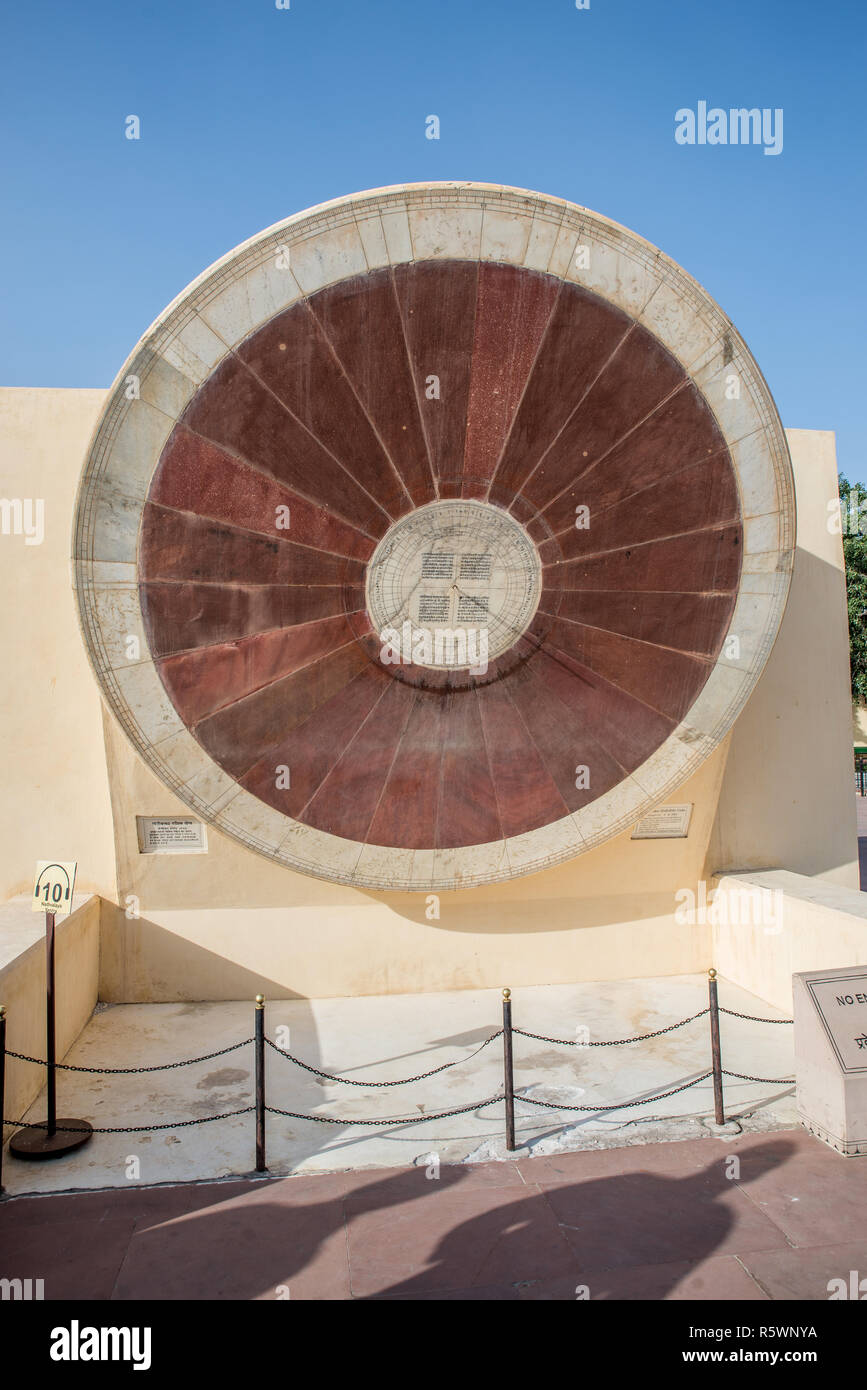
x,y
560,487
453,525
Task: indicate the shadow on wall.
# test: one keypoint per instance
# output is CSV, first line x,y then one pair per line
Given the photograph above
x,y
140,960
459,912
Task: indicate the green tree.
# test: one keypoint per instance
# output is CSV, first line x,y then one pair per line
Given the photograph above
x,y
853,510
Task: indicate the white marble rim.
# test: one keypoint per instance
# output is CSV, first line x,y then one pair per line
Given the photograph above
x,y
350,236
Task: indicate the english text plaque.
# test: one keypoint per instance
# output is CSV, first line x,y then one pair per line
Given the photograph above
x,y
665,823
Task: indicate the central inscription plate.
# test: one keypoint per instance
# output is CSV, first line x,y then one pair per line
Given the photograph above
x,y
454,567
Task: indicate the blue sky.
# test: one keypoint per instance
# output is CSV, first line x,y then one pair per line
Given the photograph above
x,y
250,113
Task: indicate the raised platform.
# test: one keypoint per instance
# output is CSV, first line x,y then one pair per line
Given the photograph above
x,y
396,1036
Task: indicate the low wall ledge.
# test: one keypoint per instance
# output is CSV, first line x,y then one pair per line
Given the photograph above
x,y
22,930
816,891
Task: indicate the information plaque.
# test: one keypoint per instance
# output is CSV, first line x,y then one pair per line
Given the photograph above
x,y
170,835
665,823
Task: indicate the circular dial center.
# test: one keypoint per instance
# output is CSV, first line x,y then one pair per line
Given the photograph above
x,y
453,584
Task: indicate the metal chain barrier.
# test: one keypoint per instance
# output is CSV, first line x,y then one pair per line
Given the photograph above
x,y
612,1042
367,1085
129,1129
753,1018
508,1094
770,1080
387,1122
624,1104
129,1071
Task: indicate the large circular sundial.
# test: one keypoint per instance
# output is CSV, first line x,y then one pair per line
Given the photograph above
x,y
434,535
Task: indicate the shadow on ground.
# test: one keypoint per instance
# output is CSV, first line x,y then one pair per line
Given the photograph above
x,y
746,1217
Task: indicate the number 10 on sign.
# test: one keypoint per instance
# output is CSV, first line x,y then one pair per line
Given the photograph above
x,y
54,886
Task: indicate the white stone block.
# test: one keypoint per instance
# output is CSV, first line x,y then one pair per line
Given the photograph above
x,y
540,244
370,230
121,626
195,350
398,241
451,233
505,236
612,273
329,257
147,702
136,450
688,335
166,389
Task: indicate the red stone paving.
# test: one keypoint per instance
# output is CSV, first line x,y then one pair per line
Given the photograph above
x,y
648,1222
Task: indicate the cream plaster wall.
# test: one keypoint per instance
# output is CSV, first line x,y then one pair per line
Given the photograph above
x,y
229,923
55,802
787,801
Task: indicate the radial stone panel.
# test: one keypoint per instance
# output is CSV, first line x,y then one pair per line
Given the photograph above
x,y
413,545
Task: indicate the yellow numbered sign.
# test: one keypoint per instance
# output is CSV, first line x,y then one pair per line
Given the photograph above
x,y
54,886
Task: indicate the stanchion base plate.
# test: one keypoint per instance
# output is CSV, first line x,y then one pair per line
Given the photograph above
x,y
38,1143
730,1127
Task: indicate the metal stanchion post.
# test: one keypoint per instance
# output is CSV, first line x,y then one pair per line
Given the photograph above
x,y
50,1039
509,1078
2,1087
260,1084
713,1001
50,1142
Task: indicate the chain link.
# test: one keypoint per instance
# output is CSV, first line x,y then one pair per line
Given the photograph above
x,y
753,1018
613,1042
771,1080
624,1104
129,1129
345,1081
386,1121
129,1071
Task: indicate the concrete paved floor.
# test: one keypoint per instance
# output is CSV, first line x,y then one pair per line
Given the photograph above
x,y
756,1216
395,1036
